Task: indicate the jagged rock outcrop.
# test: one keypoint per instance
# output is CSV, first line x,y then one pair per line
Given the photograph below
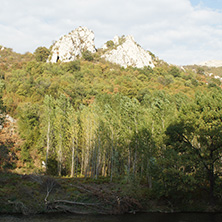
x,y
122,50
126,52
211,63
70,47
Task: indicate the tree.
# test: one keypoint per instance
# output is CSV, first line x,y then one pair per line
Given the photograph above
x,y
48,110
2,107
28,123
174,71
88,125
61,128
87,55
162,110
72,66
110,44
73,132
111,121
41,54
200,70
197,133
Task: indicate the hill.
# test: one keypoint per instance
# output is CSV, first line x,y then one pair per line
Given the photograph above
x,y
11,60
157,126
211,63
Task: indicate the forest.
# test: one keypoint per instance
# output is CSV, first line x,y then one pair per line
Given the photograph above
x,y
158,128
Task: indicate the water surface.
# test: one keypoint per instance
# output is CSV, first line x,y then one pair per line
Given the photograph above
x,y
149,217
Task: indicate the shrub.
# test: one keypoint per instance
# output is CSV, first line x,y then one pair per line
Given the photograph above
x,y
87,55
71,66
175,72
110,44
41,54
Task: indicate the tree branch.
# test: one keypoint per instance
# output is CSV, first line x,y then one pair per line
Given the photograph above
x,y
197,150
75,203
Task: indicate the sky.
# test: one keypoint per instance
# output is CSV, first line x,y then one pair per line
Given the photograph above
x,y
180,32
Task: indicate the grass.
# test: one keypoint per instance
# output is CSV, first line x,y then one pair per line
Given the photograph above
x,y
26,194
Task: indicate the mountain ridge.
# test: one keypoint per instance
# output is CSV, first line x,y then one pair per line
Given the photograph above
x,y
211,63
123,51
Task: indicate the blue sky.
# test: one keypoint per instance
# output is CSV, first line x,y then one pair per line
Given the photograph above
x,y
178,31
214,4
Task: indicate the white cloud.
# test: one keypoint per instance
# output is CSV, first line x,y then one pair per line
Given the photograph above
x,y
174,30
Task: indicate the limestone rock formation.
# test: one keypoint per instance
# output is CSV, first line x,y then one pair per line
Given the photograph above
x,y
126,52
70,47
211,63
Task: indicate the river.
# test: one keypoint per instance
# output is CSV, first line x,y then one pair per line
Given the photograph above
x,y
146,217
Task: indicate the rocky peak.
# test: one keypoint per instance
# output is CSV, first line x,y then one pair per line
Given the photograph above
x,y
70,47
126,52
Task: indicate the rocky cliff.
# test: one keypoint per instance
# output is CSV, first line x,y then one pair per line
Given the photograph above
x,y
121,50
126,52
70,47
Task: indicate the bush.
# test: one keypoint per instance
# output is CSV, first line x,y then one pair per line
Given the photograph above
x,y
87,55
175,72
71,66
52,166
41,54
110,44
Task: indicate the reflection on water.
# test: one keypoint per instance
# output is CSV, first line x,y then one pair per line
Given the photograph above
x,y
150,217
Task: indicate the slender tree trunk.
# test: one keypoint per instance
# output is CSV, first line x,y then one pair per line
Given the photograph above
x,y
90,163
104,164
77,146
88,147
212,178
93,169
212,184
136,148
86,162
135,163
112,158
82,161
60,156
73,158
98,157
141,165
149,177
48,145
97,162
163,122
152,127
129,159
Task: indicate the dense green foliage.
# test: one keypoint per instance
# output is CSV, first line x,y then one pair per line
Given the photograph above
x,y
161,127
41,54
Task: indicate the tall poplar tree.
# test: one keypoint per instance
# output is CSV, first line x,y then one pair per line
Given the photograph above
x,y
48,112
73,137
61,127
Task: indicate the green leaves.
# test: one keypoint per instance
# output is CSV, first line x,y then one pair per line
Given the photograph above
x,y
41,54
197,133
87,55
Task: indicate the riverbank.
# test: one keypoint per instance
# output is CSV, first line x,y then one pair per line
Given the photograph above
x,y
37,194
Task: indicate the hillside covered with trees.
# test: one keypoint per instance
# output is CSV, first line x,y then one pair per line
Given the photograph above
x,y
158,128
